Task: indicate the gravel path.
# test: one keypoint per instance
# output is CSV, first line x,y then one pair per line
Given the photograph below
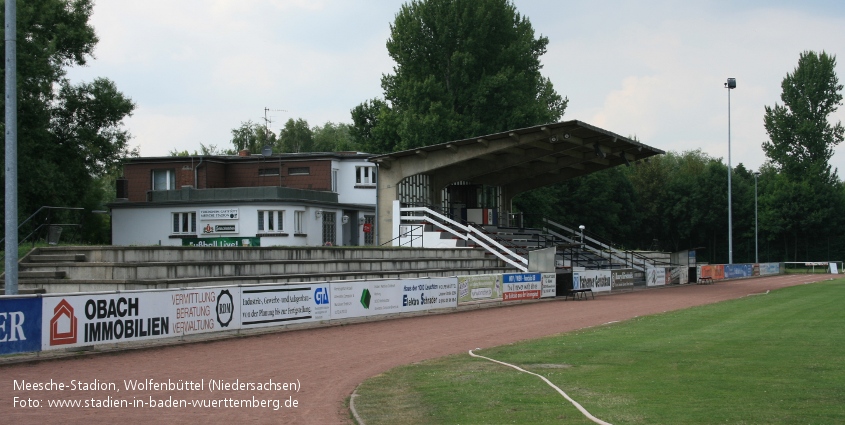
x,y
328,363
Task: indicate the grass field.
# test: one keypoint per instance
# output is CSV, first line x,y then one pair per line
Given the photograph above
x,y
766,359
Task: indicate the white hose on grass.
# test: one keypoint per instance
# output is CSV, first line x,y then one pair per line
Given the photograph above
x,y
574,403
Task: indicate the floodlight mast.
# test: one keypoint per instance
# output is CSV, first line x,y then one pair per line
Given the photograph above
x,y
730,85
11,183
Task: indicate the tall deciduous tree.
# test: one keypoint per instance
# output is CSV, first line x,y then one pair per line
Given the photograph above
x,y
332,137
801,138
297,136
463,68
253,137
69,135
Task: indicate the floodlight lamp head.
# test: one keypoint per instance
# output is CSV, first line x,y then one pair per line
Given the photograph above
x,y
582,227
731,84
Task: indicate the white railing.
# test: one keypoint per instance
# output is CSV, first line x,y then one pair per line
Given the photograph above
x,y
459,230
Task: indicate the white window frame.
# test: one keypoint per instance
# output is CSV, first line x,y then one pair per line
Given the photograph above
x,y
271,221
365,175
184,223
299,222
170,178
334,180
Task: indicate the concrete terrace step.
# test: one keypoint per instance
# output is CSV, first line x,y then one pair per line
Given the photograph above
x,y
57,258
93,285
167,254
204,269
42,274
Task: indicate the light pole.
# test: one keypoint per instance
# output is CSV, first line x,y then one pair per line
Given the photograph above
x,y
756,251
582,227
730,85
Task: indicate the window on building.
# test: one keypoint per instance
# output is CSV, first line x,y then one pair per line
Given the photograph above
x,y
271,221
329,228
268,171
164,179
299,222
185,223
334,180
369,237
299,171
365,176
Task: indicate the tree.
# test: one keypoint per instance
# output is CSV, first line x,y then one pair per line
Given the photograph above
x,y
463,68
801,137
253,137
69,135
297,136
204,150
332,137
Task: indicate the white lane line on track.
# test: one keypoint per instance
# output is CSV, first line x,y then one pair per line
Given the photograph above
x,y
574,403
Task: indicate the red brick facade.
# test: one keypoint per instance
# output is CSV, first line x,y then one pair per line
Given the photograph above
x,y
226,172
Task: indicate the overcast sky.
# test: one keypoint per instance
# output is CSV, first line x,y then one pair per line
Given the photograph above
x,y
655,69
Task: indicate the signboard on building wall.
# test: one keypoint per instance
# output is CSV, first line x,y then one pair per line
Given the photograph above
x,y
479,287
597,280
91,319
219,214
221,242
20,325
522,286
212,229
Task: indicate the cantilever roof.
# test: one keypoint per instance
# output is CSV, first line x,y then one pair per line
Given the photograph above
x,y
522,159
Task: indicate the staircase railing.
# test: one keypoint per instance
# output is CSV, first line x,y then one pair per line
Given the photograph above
x,y
629,258
466,233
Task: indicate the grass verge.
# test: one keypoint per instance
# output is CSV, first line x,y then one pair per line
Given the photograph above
x,y
773,359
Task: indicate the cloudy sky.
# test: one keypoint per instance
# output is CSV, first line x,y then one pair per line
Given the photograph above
x,y
655,69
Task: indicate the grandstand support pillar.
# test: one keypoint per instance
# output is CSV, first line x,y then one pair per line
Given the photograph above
x,y
387,188
507,202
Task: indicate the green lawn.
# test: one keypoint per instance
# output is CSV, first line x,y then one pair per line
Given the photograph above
x,y
765,359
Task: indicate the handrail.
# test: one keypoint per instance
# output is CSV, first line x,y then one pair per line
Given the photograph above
x,y
468,229
471,233
411,232
612,252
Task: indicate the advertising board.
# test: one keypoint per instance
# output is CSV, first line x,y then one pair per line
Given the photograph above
x,y
20,325
358,299
735,271
655,276
284,304
623,278
597,280
479,288
549,285
90,319
522,286
767,269
713,271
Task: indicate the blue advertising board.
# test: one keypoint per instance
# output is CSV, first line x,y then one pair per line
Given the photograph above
x,y
20,325
733,271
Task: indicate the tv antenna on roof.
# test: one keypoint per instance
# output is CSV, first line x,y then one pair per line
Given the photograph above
x,y
267,120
